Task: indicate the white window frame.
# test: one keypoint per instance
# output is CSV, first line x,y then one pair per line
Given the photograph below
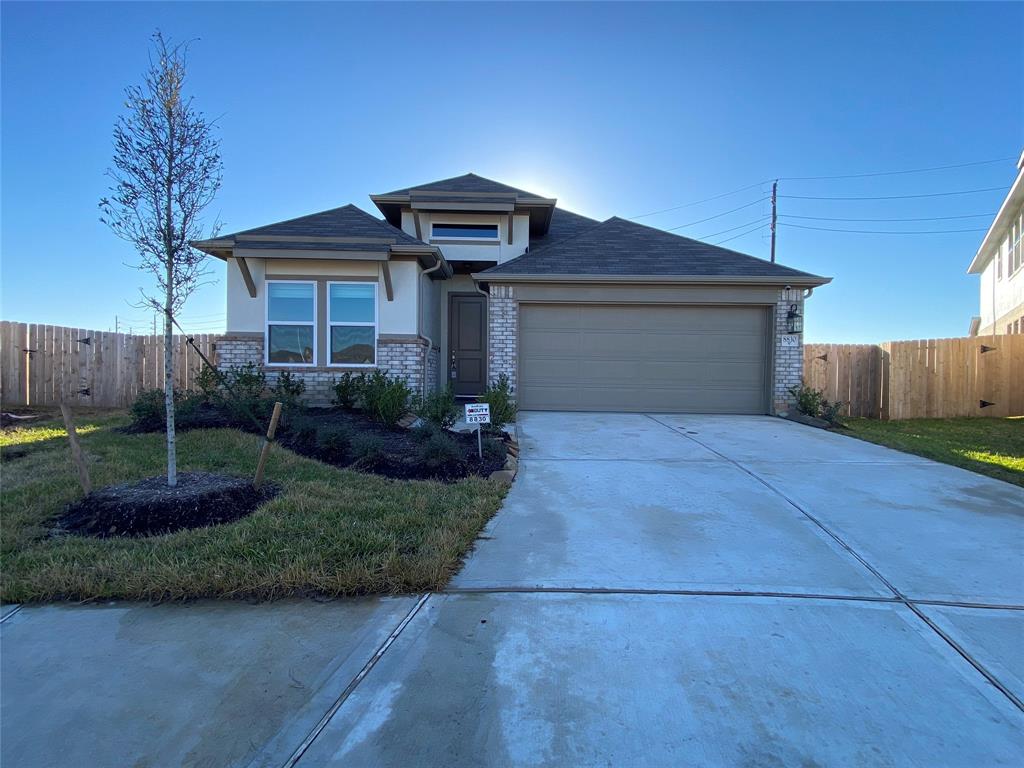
x,y
269,322
1015,241
467,238
375,324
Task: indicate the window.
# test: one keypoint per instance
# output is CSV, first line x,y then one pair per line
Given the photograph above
x,y
291,323
352,323
1015,257
464,231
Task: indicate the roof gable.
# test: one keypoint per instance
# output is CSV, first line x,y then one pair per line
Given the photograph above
x,y
348,221
468,183
618,247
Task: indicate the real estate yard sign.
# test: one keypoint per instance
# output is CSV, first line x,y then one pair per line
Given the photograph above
x,y
478,413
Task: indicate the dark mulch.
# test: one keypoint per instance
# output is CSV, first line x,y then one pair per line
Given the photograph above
x,y
398,453
151,507
370,445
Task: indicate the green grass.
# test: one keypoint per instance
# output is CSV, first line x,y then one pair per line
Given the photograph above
x,y
993,447
329,532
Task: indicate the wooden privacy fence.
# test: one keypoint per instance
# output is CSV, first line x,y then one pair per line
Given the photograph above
x,y
48,364
926,378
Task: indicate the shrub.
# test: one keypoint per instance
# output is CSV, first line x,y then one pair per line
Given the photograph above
x,y
386,398
812,402
440,452
438,408
304,437
503,406
148,412
244,390
335,442
368,451
494,450
288,389
424,431
208,382
348,390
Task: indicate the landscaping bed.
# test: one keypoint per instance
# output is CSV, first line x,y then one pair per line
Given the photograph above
x,y
151,507
327,532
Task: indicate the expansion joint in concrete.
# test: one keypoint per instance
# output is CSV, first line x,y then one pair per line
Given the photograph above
x,y
354,683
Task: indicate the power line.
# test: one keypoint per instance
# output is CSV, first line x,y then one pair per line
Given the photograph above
x,y
698,202
716,216
896,173
932,218
731,229
896,197
884,232
741,234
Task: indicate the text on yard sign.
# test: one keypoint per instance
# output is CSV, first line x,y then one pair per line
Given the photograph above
x,y
478,413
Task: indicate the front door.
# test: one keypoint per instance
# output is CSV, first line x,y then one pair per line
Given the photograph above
x,y
467,343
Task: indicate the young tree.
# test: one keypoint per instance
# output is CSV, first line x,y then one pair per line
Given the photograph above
x,y
166,170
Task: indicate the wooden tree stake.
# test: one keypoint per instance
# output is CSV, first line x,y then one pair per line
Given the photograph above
x,y
76,450
262,463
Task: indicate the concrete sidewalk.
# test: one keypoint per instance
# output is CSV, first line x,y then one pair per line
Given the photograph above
x,y
657,590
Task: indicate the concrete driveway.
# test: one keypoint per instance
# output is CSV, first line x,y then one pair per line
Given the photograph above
x,y
657,590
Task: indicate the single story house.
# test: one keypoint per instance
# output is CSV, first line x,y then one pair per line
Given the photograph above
x,y
466,279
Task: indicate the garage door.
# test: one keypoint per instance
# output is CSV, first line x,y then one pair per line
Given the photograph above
x,y
586,357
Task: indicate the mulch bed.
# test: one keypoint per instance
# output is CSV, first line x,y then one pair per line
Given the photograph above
x,y
398,454
151,507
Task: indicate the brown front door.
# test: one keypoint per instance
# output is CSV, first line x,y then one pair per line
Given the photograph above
x,y
467,343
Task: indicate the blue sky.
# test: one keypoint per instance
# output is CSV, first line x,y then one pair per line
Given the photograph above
x,y
614,109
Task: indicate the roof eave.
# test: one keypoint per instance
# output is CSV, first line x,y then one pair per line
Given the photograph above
x,y
802,281
988,244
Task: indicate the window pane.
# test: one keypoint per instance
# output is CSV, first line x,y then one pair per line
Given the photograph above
x,y
290,301
489,231
352,345
291,344
352,303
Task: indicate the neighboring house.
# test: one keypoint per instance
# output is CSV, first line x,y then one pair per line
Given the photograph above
x,y
1000,262
467,279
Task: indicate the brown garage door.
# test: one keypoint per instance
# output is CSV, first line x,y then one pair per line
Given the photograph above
x,y
586,357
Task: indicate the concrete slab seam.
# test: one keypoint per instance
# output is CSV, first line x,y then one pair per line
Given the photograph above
x,y
353,684
10,613
667,592
901,597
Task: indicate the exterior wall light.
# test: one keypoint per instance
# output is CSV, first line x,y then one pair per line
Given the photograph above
x,y
794,320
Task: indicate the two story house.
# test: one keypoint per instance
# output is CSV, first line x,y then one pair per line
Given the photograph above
x,y
467,279
1000,262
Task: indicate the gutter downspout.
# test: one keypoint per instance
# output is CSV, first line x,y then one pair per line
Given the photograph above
x,y
430,343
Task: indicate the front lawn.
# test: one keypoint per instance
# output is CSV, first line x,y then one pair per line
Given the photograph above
x,y
993,447
329,532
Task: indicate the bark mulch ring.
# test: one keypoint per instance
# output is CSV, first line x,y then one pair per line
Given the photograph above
x,y
354,440
151,507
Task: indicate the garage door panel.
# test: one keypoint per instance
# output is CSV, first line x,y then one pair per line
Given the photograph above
x,y
642,358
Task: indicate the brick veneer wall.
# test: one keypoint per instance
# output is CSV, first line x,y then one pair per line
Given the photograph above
x,y
789,360
502,334
399,357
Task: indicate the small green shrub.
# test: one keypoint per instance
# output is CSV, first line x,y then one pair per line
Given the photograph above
x,y
386,398
812,402
368,451
304,436
424,431
348,390
244,391
208,383
494,450
148,412
288,389
438,408
335,442
503,405
440,452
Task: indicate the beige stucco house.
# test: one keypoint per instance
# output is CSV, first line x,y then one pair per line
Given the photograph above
x,y
466,279
1000,262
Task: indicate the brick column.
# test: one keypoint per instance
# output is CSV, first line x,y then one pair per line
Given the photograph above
x,y
788,353
502,334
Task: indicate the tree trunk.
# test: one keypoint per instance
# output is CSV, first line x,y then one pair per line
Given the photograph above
x,y
172,454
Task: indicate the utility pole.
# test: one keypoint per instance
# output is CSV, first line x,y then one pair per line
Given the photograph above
x,y
115,324
775,189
